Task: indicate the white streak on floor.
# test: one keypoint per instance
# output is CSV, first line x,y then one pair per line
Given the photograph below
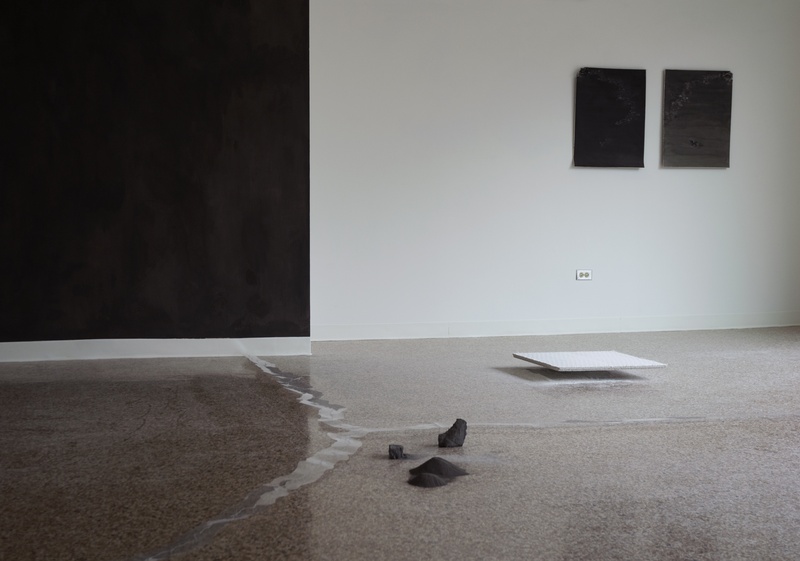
x,y
345,444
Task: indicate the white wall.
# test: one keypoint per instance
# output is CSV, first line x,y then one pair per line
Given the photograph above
x,y
444,202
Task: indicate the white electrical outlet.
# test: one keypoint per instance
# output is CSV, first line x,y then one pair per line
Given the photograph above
x,y
583,274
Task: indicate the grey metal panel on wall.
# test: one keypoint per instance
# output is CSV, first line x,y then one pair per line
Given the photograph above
x,y
696,124
154,162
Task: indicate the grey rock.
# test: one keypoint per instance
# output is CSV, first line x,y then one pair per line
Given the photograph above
x,y
454,436
396,452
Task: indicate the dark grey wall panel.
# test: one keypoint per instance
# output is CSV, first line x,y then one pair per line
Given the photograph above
x,y
696,126
609,117
155,169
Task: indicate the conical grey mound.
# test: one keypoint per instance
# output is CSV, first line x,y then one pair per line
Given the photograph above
x,y
427,480
439,466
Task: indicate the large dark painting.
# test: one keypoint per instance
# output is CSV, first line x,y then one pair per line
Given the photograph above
x,y
609,118
696,129
154,160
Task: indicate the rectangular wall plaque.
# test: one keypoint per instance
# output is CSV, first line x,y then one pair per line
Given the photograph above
x,y
696,129
609,118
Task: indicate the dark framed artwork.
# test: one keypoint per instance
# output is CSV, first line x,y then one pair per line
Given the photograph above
x,y
609,118
696,128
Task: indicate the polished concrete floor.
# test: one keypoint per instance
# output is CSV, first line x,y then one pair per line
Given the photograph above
x,y
287,457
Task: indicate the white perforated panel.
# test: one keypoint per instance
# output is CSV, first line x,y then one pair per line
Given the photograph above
x,y
588,360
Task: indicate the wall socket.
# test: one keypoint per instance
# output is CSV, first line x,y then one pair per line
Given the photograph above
x,y
583,274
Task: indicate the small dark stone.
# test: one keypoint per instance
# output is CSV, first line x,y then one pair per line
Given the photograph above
x,y
454,436
396,452
427,480
439,466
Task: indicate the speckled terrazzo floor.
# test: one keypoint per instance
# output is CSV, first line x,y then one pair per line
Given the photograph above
x,y
111,459
126,459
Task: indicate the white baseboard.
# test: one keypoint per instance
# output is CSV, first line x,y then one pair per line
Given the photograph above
x,y
551,326
152,348
289,346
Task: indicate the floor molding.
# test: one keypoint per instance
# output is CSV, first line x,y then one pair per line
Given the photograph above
x,y
553,326
29,351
